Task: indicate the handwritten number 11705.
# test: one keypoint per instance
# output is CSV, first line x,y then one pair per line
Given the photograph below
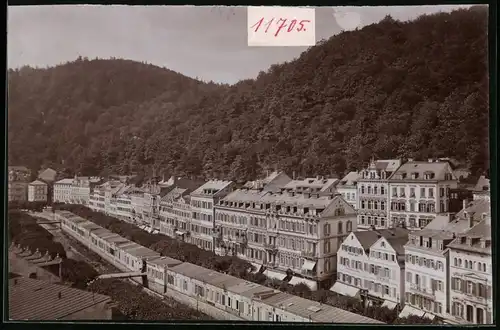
x,y
281,25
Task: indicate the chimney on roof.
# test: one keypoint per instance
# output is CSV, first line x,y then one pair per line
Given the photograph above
x,y
59,295
470,217
464,203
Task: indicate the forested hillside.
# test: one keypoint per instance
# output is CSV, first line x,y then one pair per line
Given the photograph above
x,y
391,89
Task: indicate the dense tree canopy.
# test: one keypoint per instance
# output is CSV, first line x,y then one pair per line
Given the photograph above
x,y
392,89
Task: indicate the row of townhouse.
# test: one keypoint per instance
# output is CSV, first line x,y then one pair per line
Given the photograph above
x,y
76,190
410,194
288,229
443,270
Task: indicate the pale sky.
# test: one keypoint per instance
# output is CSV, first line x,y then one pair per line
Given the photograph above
x,y
205,42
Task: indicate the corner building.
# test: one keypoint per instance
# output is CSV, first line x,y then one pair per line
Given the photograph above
x,y
419,191
290,234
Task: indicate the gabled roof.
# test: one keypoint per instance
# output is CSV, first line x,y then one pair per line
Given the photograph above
x,y
48,174
350,179
212,185
369,237
475,208
438,168
483,184
35,300
19,168
37,183
64,181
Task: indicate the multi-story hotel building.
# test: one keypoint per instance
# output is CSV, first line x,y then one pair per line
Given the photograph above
x,y
203,201
81,188
427,267
290,234
175,213
137,204
231,224
62,191
471,281
19,177
371,266
373,194
348,188
97,198
37,191
419,191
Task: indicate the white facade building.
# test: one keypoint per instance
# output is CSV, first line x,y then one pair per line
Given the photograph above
x,y
471,268
37,191
419,191
373,195
203,201
427,267
81,188
62,191
348,188
371,265
175,213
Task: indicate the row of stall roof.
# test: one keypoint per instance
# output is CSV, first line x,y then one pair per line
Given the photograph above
x,y
305,308
122,243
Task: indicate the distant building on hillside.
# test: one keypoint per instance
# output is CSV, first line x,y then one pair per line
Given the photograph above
x,y
37,191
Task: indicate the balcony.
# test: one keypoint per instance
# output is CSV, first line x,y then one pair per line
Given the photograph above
x,y
428,293
241,239
309,255
216,234
271,247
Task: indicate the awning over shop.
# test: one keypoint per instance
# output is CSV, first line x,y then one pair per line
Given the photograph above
x,y
311,284
275,275
429,316
156,231
344,289
389,304
308,265
257,267
180,232
409,310
142,227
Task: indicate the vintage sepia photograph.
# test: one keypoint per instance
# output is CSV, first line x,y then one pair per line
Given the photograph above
x,y
249,164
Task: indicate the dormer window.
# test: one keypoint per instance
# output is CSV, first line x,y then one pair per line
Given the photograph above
x,y
403,175
483,243
414,175
469,241
447,177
